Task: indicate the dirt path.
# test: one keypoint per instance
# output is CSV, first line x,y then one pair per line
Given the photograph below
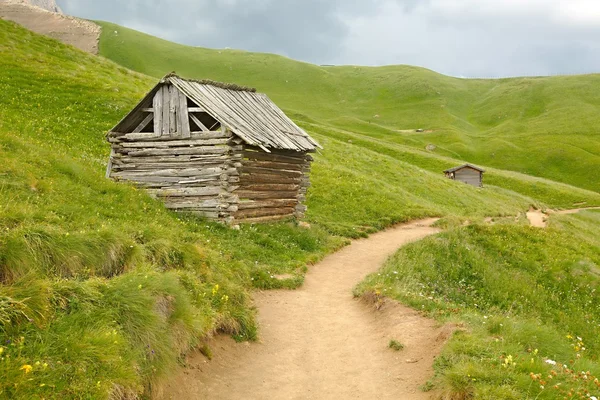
x,y
574,211
538,218
318,342
70,30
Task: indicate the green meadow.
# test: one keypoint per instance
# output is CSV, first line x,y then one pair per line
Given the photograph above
x,y
103,290
526,310
546,126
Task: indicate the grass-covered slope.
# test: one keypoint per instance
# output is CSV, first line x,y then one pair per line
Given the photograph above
x,y
526,301
546,127
102,289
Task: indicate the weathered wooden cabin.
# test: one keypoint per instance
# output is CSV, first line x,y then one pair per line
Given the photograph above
x,y
466,173
218,150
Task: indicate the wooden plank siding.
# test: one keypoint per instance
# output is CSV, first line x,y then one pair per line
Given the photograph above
x,y
272,184
467,175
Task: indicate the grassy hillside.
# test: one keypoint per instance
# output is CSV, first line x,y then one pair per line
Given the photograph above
x,y
546,127
102,289
527,309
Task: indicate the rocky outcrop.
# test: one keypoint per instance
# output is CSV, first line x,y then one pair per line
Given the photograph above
x,y
46,18
48,5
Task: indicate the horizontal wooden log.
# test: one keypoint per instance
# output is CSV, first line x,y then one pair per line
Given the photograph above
x,y
183,192
254,195
258,156
196,207
282,152
179,185
167,180
270,171
273,165
264,178
174,143
178,151
121,159
152,137
263,212
195,202
173,162
184,172
142,166
266,187
253,204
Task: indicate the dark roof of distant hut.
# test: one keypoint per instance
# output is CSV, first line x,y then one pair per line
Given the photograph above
x,y
250,115
464,166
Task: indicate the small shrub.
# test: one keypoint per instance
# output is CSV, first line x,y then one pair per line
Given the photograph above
x,y
395,345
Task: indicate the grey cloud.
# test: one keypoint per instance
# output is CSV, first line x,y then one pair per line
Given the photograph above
x,y
461,38
309,30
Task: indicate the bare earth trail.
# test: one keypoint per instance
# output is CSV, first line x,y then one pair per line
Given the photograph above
x,y
318,342
538,218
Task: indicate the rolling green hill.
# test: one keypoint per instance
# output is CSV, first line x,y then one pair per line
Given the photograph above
x,y
102,289
546,126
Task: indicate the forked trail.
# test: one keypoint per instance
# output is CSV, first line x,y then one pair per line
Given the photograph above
x,y
318,342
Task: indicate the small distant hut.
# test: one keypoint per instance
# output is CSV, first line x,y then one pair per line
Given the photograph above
x,y
218,150
466,173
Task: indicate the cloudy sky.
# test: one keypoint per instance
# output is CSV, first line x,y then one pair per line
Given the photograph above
x,y
472,38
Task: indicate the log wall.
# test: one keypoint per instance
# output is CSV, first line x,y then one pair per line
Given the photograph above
x,y
196,174
213,174
272,185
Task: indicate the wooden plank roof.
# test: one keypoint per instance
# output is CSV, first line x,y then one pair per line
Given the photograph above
x,y
467,165
250,115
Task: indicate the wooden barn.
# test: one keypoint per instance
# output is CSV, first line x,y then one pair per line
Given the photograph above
x,y
466,173
218,150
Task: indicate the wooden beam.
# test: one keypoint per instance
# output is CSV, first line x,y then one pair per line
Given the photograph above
x,y
156,110
110,163
144,123
173,105
175,143
145,137
253,204
184,192
254,195
199,123
165,111
183,116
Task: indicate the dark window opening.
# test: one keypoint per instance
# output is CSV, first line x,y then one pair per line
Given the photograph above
x,y
190,103
208,121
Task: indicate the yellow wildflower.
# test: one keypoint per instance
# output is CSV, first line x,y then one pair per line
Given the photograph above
x,y
27,368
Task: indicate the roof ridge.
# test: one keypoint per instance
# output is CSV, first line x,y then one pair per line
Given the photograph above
x,y
464,166
221,85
